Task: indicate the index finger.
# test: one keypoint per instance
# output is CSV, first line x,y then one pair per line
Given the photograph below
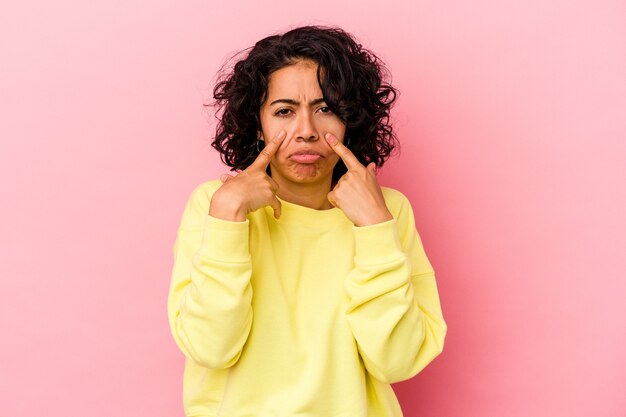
x,y
344,153
265,156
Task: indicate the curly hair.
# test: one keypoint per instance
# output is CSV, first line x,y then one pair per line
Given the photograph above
x,y
352,80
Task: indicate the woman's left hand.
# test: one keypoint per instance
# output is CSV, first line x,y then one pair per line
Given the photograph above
x,y
357,192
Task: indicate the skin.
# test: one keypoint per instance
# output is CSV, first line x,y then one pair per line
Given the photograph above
x,y
305,124
300,121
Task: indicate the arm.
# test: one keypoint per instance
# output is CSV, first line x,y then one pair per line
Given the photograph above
x,y
209,303
394,310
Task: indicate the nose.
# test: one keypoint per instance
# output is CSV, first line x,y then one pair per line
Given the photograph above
x,y
306,130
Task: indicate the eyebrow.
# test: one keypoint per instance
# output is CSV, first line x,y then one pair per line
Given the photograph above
x,y
295,102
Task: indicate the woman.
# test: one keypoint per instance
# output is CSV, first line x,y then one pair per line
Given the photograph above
x,y
300,286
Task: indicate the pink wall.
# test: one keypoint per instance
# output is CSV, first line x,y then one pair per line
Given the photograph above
x,y
513,120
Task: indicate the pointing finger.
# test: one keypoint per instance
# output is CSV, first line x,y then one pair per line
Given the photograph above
x,y
344,153
263,160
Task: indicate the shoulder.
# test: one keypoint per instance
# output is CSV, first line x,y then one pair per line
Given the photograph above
x,y
198,204
204,191
401,209
396,201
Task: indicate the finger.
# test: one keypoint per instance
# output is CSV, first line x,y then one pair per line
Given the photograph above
x,y
226,177
344,153
263,160
331,199
273,184
275,204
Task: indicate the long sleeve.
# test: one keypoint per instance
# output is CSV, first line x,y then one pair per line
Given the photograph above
x,y
209,303
394,310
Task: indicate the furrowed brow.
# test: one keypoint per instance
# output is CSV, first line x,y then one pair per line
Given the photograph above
x,y
295,102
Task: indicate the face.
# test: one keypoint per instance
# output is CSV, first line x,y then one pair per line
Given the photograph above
x,y
294,103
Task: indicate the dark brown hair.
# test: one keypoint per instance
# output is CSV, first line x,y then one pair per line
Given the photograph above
x,y
351,79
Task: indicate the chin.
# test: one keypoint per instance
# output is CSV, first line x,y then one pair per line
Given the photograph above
x,y
305,173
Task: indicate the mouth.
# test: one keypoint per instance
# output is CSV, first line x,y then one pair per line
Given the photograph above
x,y
305,156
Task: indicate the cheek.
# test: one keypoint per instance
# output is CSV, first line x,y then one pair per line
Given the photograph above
x,y
283,149
269,125
334,127
332,160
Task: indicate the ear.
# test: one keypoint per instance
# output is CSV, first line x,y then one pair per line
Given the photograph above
x,y
371,167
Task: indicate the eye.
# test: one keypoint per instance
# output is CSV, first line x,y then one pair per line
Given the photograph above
x,y
282,112
325,109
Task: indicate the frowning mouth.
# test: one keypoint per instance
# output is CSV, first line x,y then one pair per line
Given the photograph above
x,y
305,156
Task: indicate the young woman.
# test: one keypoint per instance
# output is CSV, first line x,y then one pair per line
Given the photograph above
x,y
300,286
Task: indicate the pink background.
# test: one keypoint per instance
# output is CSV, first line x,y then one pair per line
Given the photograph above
x,y
512,117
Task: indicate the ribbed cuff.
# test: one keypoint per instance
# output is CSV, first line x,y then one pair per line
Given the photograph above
x,y
225,240
377,243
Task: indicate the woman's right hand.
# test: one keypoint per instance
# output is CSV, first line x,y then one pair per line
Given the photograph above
x,y
249,190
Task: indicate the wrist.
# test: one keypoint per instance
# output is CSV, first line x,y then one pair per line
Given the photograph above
x,y
227,208
375,218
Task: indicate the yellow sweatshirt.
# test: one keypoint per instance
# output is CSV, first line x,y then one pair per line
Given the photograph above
x,y
304,316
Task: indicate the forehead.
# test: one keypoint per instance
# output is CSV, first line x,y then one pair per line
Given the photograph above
x,y
294,80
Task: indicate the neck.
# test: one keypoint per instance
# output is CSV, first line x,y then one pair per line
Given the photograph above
x,y
308,195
